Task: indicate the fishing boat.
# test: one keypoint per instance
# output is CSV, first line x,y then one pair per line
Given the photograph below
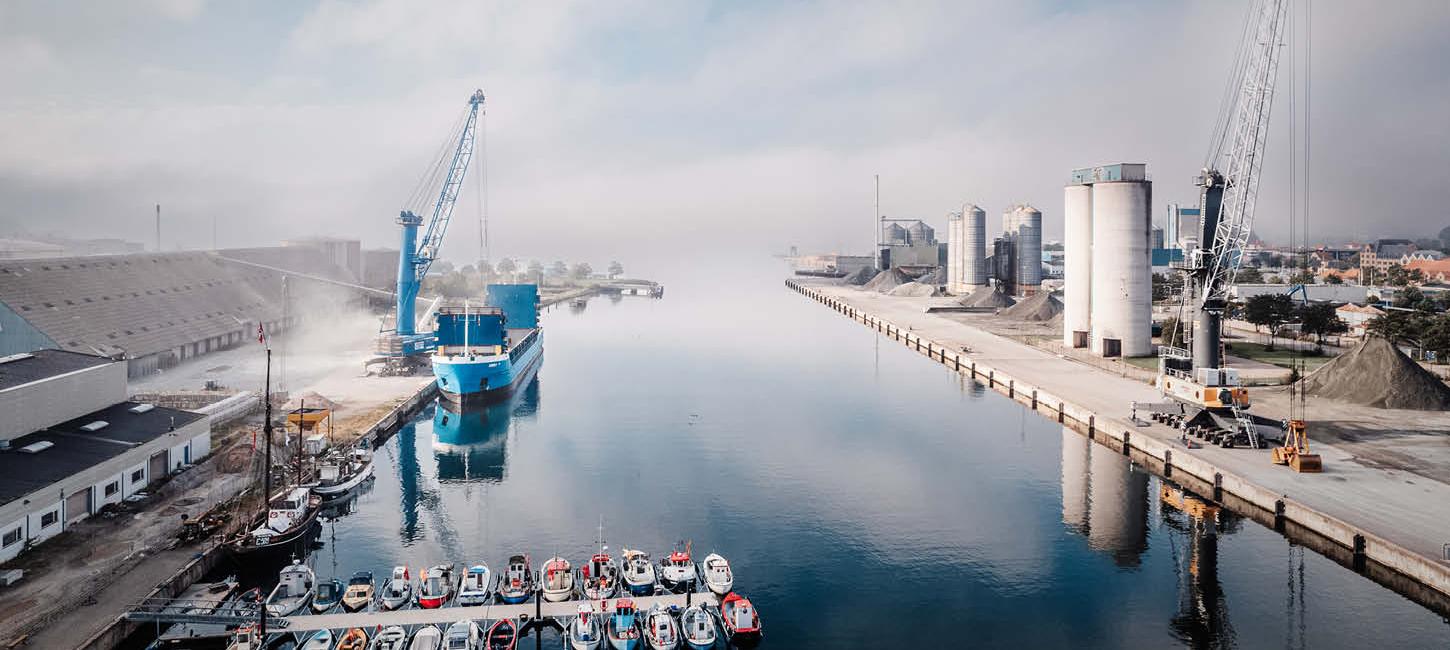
x,y
353,639
359,592
517,584
329,594
621,630
426,637
398,590
599,579
504,635
436,586
699,627
482,353
718,576
585,632
477,586
677,571
557,578
282,531
296,584
742,622
639,573
339,473
463,635
392,637
660,630
319,640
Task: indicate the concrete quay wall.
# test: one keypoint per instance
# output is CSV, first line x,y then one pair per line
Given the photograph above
x,y
1394,562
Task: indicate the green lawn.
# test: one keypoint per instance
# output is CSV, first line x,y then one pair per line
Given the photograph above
x,y
1148,363
1279,356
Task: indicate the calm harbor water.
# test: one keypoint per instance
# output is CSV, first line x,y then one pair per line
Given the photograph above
x,y
865,496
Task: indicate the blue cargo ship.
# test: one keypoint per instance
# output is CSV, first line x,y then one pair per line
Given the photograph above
x,y
483,354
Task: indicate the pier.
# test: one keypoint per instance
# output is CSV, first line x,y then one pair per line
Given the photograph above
x,y
538,610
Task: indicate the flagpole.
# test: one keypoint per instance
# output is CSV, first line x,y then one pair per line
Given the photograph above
x,y
266,474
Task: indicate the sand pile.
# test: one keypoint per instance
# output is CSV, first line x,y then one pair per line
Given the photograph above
x,y
861,276
936,277
312,400
987,297
915,290
1041,307
1378,374
886,280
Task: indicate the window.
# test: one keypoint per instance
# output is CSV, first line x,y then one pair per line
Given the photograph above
x,y
112,488
48,519
138,476
12,537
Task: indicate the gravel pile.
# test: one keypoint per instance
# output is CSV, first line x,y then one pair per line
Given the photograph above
x,y
886,280
1378,374
1041,307
936,277
915,290
861,276
987,297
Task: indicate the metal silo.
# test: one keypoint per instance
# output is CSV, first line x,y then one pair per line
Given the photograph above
x,y
1077,263
894,235
920,234
956,254
1029,248
1122,284
974,236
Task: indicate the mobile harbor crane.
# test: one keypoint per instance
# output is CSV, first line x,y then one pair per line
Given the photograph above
x,y
403,347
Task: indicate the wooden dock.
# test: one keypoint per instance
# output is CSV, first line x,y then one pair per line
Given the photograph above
x,y
447,615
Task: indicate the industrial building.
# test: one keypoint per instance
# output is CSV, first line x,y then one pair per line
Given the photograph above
x,y
70,443
913,246
1108,292
154,310
966,250
1022,226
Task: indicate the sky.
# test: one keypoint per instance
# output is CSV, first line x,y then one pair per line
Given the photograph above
x,y
665,131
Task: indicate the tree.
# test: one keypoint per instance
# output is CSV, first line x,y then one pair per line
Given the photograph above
x,y
443,266
1333,278
1303,276
1320,320
1399,276
559,268
1273,279
615,270
1268,310
1399,326
1173,335
467,269
581,270
484,268
506,267
1162,287
536,269
1249,275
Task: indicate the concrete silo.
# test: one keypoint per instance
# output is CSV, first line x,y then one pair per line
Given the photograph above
x,y
1122,282
1077,262
974,234
956,253
1029,248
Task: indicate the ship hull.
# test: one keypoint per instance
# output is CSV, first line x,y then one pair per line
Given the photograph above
x,y
486,379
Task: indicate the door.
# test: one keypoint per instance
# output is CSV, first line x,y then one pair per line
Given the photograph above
x,y
1112,347
78,506
156,467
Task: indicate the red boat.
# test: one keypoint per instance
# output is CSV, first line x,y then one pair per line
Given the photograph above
x,y
742,622
437,586
503,635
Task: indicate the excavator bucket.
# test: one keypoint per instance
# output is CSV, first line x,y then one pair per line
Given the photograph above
x,y
1307,463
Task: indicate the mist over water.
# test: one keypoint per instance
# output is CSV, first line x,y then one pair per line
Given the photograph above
x,y
864,495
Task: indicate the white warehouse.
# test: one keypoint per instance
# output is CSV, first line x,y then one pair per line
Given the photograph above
x,y
1108,273
71,445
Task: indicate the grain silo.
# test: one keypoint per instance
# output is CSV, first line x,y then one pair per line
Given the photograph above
x,y
1077,262
974,235
1122,283
893,235
1029,248
920,234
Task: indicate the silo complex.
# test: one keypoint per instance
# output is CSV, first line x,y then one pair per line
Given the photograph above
x,y
966,250
1118,277
1077,263
1028,222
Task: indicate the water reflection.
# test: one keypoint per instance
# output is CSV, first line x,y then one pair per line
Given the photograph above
x,y
472,445
1104,499
1195,525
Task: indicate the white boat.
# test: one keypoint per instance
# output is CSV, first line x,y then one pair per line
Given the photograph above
x,y
585,632
517,583
296,584
463,635
599,579
436,586
660,630
319,640
398,590
427,637
699,627
339,473
557,579
639,573
677,571
718,576
477,586
621,629
392,637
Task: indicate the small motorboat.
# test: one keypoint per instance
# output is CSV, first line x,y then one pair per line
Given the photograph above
x,y
329,594
393,637
463,635
557,579
398,590
699,627
517,584
354,639
338,473
621,630
426,637
359,593
504,635
718,576
742,622
660,630
296,584
477,586
319,640
436,586
639,573
599,579
584,630
677,572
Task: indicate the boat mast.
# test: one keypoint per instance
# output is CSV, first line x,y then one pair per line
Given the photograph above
x,y
266,479
301,417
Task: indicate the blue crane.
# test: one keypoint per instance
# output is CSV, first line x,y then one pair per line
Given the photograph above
x,y
416,256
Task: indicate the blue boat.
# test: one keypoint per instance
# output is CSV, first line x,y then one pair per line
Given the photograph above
x,y
485,353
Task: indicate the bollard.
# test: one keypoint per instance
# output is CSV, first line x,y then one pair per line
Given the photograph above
x,y
1011,389
1359,556
1279,515
1034,399
1061,413
1168,463
1218,487
1092,425
1127,446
